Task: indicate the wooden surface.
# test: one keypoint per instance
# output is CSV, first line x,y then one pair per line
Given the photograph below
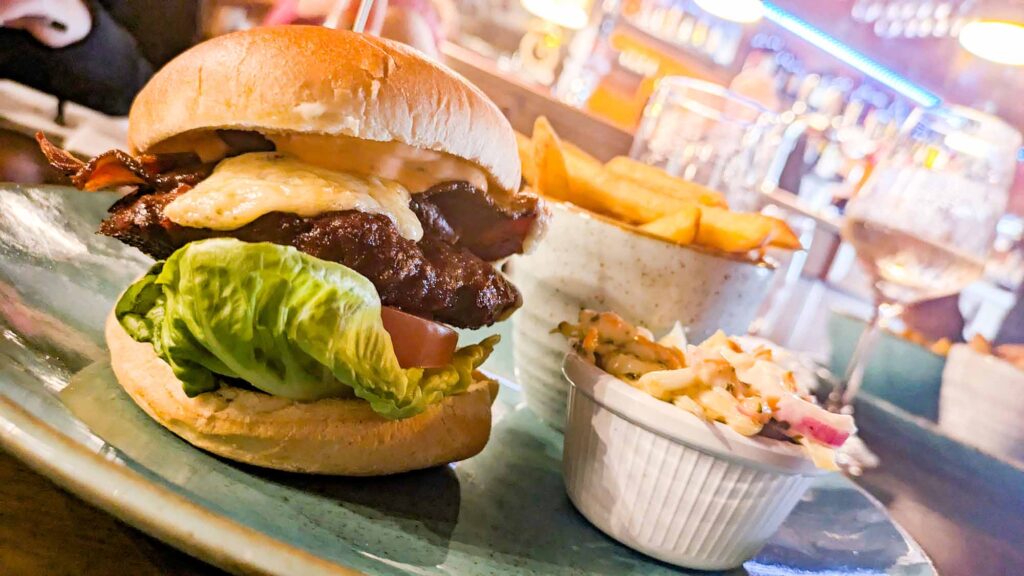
x,y
44,530
966,530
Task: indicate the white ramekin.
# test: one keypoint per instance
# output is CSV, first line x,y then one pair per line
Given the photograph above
x,y
589,261
664,482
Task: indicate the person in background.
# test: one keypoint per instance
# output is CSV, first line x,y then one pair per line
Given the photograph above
x,y
936,319
941,318
56,23
98,53
422,24
757,80
416,23
1012,329
319,11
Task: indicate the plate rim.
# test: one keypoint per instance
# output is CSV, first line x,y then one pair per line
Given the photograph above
x,y
129,497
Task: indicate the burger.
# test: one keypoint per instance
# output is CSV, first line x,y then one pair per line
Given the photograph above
x,y
325,208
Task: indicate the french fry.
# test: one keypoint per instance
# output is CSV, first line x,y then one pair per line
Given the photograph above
x,y
941,346
783,236
679,227
565,172
552,178
525,145
979,344
593,188
570,151
1012,353
662,182
646,196
577,157
733,232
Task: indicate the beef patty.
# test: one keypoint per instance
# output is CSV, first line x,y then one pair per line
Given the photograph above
x,y
444,277
434,278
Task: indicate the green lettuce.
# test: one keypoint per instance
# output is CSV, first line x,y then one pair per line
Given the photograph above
x,y
287,323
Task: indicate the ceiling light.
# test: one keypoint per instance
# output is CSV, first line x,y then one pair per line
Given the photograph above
x,y
571,14
1001,42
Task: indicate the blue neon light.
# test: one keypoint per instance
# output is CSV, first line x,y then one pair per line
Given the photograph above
x,y
852,57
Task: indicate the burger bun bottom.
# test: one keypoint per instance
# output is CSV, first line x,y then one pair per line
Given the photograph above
x,y
330,436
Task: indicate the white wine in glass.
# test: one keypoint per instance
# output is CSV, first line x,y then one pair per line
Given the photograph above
x,y
924,222
905,268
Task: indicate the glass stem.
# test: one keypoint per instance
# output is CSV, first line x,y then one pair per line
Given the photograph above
x,y
841,399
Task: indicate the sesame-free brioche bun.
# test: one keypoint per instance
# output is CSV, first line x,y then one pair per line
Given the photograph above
x,y
330,436
315,80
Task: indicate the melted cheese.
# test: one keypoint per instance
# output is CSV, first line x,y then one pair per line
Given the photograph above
x,y
415,168
243,188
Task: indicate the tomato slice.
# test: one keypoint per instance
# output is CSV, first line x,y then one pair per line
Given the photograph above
x,y
419,343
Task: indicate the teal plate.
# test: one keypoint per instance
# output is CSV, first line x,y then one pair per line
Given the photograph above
x,y
501,512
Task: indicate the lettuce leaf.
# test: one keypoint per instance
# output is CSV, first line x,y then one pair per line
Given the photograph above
x,y
285,322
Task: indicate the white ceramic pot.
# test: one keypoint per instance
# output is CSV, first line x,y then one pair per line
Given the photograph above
x,y
664,482
588,261
981,402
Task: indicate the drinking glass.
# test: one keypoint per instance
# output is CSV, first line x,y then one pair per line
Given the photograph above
x,y
704,133
924,222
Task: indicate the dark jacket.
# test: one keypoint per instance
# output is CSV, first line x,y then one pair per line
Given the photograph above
x,y
104,70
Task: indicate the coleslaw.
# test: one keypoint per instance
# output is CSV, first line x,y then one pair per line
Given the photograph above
x,y
717,380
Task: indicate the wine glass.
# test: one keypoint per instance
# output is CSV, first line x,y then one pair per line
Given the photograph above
x,y
925,220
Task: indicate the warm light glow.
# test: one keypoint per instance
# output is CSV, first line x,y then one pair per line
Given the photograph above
x,y
744,11
571,14
1001,42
